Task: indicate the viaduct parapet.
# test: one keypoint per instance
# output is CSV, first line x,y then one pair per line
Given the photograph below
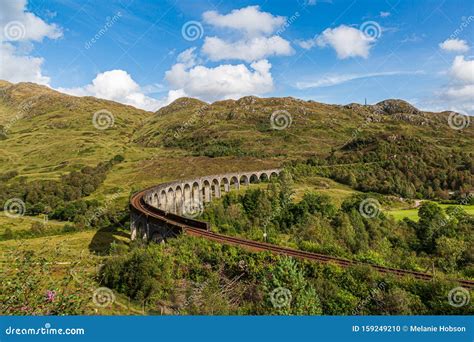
x,y
185,199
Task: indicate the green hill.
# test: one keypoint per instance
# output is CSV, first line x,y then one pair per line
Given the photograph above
x,y
47,133
57,158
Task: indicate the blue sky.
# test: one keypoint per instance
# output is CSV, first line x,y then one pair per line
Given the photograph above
x,y
327,51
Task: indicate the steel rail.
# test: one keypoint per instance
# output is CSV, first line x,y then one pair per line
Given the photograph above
x,y
138,204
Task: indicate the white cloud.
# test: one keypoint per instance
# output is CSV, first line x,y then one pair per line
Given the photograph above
x,y
247,50
253,41
331,80
315,2
20,68
255,38
413,38
347,41
456,45
384,14
117,85
17,25
221,82
308,43
459,94
20,25
250,20
187,57
463,70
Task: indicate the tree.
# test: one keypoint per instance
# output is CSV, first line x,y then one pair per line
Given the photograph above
x,y
288,291
431,222
449,252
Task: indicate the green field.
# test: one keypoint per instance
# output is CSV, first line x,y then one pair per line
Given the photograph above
x,y
412,214
46,135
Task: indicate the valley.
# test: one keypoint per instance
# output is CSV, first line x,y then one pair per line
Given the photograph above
x,y
72,177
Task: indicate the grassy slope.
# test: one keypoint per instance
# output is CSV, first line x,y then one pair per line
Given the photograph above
x,y
50,134
316,128
73,253
55,135
412,214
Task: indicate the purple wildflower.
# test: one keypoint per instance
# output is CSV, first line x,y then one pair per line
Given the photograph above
x,y
50,295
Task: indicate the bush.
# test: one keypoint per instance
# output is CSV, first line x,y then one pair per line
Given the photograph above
x,y
38,228
69,228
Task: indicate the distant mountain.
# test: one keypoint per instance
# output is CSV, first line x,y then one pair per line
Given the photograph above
x,y
257,127
44,133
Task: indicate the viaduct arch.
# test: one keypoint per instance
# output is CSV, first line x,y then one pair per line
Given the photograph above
x,y
183,199
159,212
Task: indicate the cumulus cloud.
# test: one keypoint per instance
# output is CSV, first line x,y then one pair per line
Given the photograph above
x,y
463,70
454,45
188,57
384,14
20,68
247,50
17,25
250,20
459,94
221,82
20,25
118,85
345,40
255,31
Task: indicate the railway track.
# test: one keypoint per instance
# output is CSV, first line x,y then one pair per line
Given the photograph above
x,y
138,204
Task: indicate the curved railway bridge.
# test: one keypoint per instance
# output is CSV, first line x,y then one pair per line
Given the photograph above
x,y
167,209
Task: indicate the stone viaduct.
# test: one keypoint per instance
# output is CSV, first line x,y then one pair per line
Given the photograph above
x,y
185,199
